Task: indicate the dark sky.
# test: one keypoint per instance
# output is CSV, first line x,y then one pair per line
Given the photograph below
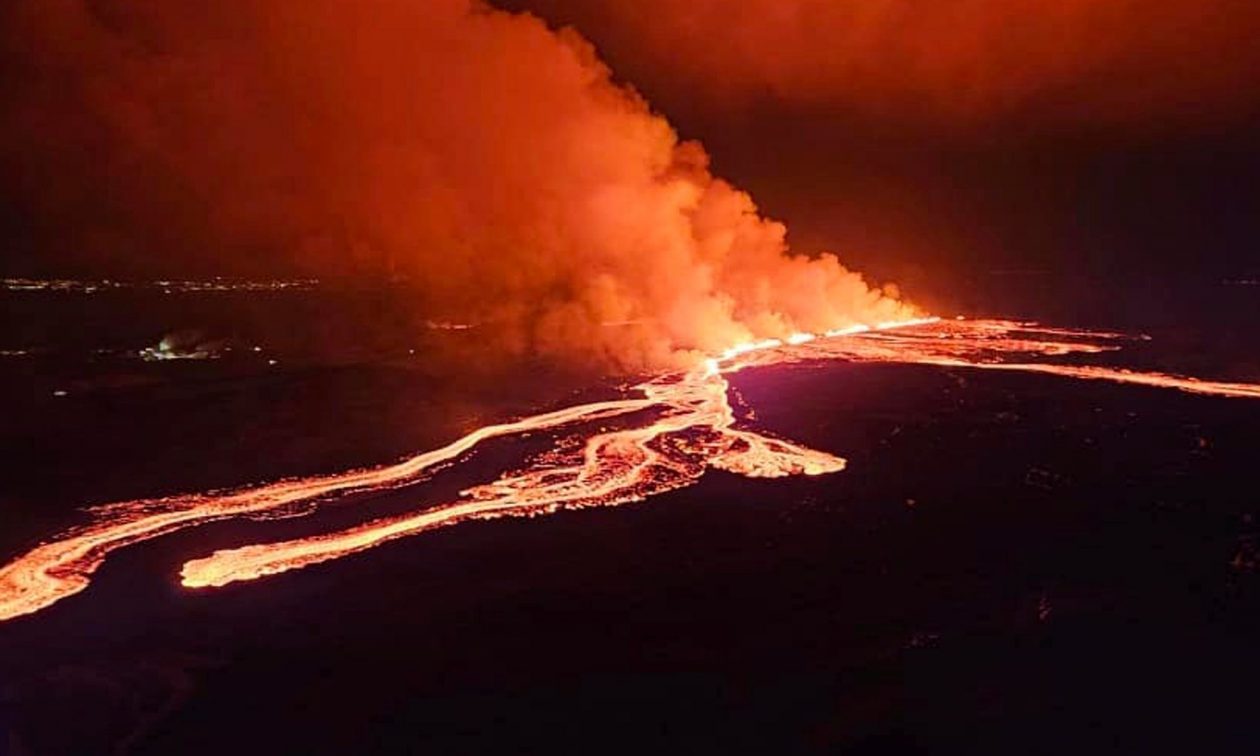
x,y
924,143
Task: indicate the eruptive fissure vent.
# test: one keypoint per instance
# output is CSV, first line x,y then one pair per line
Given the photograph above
x,y
677,426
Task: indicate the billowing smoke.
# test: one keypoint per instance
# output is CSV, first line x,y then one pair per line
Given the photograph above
x,y
483,157
953,62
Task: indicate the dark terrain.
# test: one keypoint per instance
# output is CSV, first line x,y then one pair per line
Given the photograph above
x,y
1011,563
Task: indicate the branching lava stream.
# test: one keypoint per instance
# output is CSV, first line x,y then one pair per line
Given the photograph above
x,y
688,427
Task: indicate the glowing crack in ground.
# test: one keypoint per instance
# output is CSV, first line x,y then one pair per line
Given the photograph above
x,y
677,426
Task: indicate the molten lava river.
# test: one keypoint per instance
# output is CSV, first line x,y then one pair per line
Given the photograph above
x,y
668,431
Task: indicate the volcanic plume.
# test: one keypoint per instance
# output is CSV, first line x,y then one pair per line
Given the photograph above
x,y
479,155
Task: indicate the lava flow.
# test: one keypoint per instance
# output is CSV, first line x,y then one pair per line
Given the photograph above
x,y
677,426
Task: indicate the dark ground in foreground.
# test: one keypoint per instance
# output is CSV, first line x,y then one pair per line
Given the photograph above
x,y
1011,564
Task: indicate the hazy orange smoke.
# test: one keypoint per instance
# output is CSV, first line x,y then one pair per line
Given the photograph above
x,y
485,157
1109,60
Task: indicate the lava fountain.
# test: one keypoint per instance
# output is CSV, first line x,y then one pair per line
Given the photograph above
x,y
672,429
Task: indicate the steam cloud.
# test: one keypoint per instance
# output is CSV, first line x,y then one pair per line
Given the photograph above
x,y
487,158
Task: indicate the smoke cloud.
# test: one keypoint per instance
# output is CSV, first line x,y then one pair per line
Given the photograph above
x,y
489,160
953,62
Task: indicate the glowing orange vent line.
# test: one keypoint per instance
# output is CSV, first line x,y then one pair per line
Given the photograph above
x,y
687,426
987,345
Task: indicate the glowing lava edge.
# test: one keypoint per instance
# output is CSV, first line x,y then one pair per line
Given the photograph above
x,y
679,426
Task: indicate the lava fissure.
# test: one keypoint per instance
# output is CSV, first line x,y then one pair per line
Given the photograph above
x,y
691,427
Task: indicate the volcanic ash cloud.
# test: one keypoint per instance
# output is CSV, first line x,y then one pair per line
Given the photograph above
x,y
487,159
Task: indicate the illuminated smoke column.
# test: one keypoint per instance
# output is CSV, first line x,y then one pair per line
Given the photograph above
x,y
677,426
483,160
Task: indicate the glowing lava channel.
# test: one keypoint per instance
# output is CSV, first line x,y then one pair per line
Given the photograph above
x,y
63,567
691,428
1008,345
